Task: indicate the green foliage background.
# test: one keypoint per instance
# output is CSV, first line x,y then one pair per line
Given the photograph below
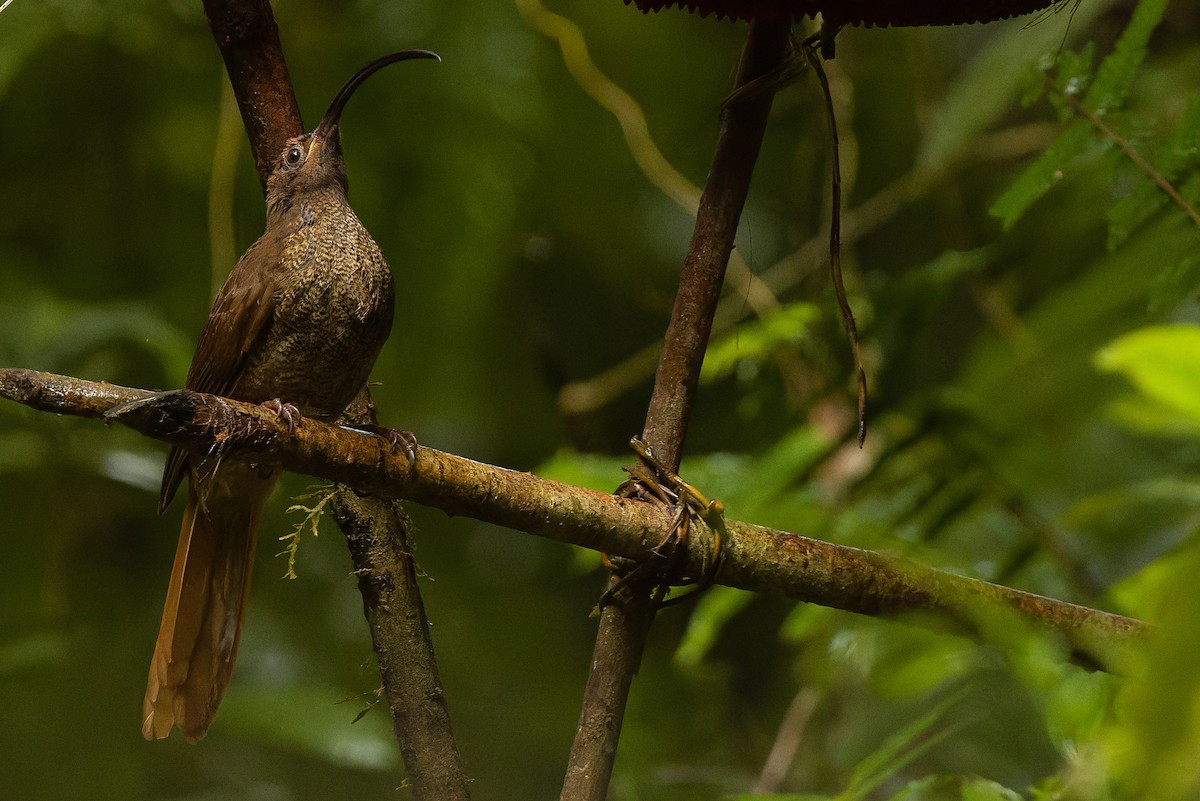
x,y
1026,295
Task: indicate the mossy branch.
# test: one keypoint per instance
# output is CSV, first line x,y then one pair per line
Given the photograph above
x,y
755,558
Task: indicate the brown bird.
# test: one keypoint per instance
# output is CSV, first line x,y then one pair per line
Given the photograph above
x,y
296,326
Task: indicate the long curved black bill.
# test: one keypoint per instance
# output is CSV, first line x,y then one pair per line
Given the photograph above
x,y
339,102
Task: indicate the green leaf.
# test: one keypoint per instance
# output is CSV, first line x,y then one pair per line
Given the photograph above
x,y
983,93
1049,168
977,788
1107,93
315,724
781,797
955,788
1162,363
1179,152
923,661
899,750
757,339
1116,72
1155,743
714,609
1072,75
601,473
1178,281
1033,82
1191,189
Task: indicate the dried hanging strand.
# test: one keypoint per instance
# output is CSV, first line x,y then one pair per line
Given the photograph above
x,y
787,72
835,229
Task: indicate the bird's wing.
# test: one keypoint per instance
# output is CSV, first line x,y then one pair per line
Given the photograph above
x,y
238,320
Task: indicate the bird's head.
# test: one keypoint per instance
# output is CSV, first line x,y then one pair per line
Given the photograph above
x,y
314,160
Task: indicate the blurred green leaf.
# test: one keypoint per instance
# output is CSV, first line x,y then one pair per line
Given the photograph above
x,y
1047,170
601,473
309,719
1105,93
956,788
1116,72
1154,744
757,340
781,797
38,652
981,95
1071,75
713,611
1161,361
900,749
1179,152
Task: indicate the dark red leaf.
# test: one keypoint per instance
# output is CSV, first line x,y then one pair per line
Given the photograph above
x,y
858,12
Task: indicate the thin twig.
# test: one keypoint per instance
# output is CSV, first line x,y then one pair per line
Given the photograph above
x,y
787,741
613,99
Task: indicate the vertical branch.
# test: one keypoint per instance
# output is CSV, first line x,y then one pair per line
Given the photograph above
x,y
620,639
376,530
625,621
246,33
377,533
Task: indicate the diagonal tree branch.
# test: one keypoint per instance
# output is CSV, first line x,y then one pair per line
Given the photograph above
x,y
743,125
756,558
246,33
625,621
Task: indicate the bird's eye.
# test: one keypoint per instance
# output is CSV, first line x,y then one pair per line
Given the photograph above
x,y
293,157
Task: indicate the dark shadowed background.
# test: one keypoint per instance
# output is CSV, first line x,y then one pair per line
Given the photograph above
x,y
531,252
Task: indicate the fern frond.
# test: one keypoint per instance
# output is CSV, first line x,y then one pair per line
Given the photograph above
x,y
1049,168
1115,74
1178,155
1105,92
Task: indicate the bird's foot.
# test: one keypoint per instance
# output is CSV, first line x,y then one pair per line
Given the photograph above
x,y
396,436
288,413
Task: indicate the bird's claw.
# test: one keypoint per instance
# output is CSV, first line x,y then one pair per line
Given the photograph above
x,y
400,437
286,412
